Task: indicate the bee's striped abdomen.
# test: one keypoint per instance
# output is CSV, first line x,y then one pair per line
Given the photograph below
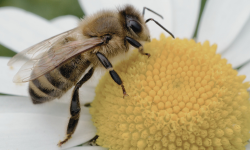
x,y
56,82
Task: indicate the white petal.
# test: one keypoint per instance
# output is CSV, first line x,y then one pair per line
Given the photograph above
x,y
65,22
247,147
162,7
27,126
87,148
40,132
239,51
245,70
17,104
222,21
185,17
86,95
7,85
20,29
94,80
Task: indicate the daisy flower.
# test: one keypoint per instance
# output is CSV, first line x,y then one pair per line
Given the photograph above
x,y
155,115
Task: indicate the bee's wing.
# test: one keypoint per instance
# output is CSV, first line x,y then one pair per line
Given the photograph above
x,y
35,51
42,59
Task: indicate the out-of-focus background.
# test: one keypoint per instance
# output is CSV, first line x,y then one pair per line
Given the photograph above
x,y
47,9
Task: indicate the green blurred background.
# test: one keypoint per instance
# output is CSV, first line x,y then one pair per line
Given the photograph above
x,y
50,9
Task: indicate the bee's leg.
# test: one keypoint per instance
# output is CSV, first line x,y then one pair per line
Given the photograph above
x,y
92,142
112,72
75,107
87,104
136,44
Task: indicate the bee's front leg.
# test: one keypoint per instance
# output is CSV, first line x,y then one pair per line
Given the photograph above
x,y
136,44
105,62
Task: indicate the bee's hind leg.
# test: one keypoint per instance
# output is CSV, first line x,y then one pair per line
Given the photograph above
x,y
75,107
105,62
92,142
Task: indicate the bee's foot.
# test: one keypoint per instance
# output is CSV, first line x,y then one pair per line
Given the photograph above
x,y
64,141
59,144
125,95
124,91
92,142
147,54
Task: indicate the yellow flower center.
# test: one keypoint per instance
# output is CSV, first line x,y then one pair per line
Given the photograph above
x,y
184,97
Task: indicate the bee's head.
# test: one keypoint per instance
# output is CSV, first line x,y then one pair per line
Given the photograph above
x,y
134,23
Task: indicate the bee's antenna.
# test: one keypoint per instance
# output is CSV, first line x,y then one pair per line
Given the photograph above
x,y
160,26
143,12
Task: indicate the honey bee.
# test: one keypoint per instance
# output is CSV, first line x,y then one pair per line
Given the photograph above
x,y
58,63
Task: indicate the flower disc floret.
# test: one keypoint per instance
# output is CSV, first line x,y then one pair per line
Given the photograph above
x,y
184,97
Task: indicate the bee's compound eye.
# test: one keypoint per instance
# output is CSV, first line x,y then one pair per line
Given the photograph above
x,y
135,26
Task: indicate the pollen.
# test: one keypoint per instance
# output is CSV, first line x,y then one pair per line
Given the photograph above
x,y
183,97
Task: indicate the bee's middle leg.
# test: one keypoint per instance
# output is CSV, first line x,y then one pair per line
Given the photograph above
x,y
136,44
75,107
105,62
